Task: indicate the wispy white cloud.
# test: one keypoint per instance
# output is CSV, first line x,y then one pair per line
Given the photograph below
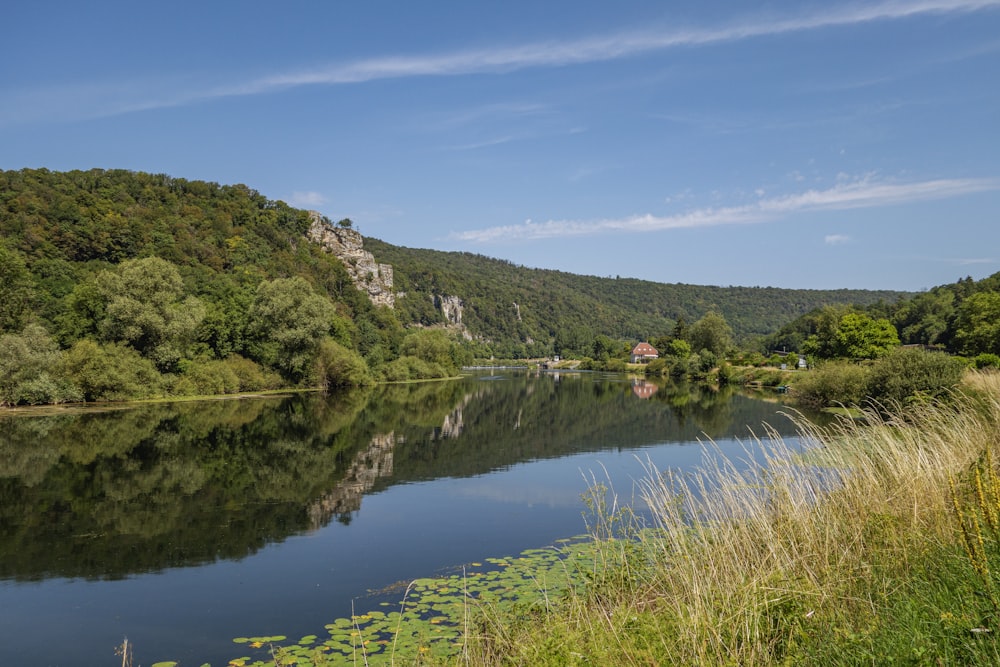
x,y
836,239
476,145
308,198
86,101
864,193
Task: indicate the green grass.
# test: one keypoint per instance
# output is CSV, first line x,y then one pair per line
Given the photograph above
x,y
851,555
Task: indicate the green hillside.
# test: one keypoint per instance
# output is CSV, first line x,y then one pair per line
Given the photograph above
x,y
524,311
117,284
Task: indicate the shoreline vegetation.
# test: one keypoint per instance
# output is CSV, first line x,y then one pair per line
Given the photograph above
x,y
867,541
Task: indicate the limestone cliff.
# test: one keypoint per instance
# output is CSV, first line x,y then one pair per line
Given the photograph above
x,y
347,245
451,308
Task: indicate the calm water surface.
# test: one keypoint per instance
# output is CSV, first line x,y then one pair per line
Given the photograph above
x,y
181,526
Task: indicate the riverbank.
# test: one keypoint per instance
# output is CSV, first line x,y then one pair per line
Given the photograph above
x,y
848,553
874,542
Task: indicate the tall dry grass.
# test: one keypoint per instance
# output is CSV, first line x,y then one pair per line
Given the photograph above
x,y
749,561
796,530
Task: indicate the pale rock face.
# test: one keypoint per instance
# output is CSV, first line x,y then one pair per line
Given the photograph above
x,y
347,245
451,307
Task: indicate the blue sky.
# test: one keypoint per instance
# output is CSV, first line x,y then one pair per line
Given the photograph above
x,y
793,144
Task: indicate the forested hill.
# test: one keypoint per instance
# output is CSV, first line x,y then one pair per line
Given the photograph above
x,y
516,306
61,233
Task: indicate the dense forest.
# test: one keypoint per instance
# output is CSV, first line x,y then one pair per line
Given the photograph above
x,y
117,285
526,312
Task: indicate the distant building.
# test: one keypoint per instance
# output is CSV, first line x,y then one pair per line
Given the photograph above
x,y
643,353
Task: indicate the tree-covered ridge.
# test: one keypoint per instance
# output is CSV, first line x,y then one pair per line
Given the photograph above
x,y
961,318
525,312
117,284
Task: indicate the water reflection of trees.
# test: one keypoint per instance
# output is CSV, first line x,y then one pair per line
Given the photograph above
x,y
106,494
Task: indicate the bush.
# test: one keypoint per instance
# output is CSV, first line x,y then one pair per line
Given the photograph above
x,y
707,360
615,366
112,372
833,383
412,368
908,373
29,371
337,366
658,367
251,375
987,360
726,375
211,377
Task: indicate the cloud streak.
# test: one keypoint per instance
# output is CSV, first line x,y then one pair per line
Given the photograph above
x,y
307,198
843,196
89,102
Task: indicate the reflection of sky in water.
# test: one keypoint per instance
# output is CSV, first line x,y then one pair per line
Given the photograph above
x,y
560,482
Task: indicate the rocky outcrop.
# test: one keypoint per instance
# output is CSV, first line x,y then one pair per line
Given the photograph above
x,y
347,245
450,307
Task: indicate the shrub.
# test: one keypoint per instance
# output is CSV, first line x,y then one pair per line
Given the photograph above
x,y
337,366
251,375
833,383
29,370
725,374
987,360
211,377
908,373
412,368
658,366
615,366
707,360
111,372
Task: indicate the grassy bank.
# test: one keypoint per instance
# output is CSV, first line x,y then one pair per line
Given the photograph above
x,y
848,552
871,541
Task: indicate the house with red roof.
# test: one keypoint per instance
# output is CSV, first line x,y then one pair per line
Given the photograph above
x,y
643,353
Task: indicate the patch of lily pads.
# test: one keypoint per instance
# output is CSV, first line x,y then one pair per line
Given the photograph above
x,y
434,614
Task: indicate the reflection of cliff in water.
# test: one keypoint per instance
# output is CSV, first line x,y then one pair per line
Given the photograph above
x,y
106,494
369,464
522,418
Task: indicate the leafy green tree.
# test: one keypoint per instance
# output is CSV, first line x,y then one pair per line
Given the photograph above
x,y
679,348
29,369
82,314
574,341
858,336
926,318
432,346
711,333
604,347
338,366
110,372
977,328
287,321
16,290
146,307
681,329
907,373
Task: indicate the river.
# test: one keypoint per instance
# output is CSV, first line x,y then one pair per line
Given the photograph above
x,y
183,525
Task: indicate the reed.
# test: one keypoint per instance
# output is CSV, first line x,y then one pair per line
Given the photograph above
x,y
840,546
